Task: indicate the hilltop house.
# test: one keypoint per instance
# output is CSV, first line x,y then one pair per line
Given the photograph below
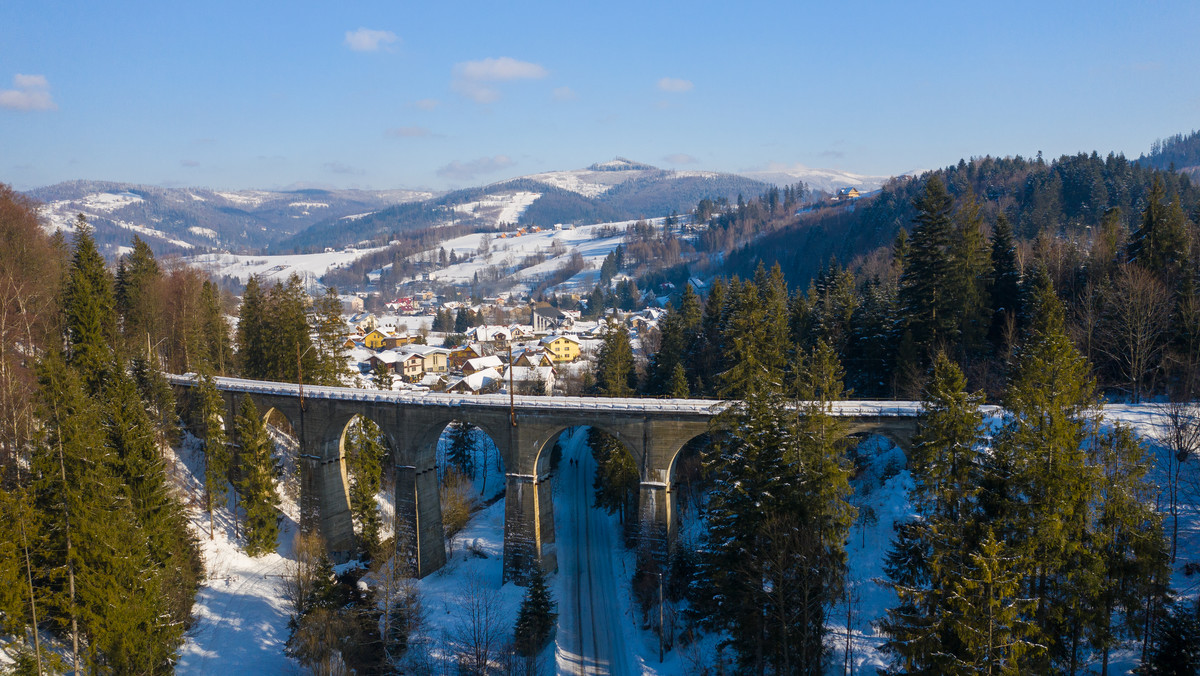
x,y
850,193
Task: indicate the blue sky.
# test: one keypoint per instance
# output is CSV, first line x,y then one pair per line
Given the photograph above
x,y
437,95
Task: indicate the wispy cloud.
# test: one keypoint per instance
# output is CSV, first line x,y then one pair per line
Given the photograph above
x,y
465,171
32,92
832,154
681,158
339,168
189,163
675,85
564,94
473,78
409,132
427,104
367,40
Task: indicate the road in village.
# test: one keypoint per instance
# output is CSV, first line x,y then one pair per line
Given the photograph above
x,y
590,639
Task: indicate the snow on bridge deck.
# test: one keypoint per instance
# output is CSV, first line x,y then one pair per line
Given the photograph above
x,y
707,407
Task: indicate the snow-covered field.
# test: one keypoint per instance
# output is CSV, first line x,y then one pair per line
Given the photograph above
x,y
276,267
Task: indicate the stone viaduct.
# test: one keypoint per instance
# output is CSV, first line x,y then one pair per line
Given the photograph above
x,y
524,430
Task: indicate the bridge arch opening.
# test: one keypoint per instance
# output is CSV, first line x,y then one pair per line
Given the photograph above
x,y
686,479
367,454
286,439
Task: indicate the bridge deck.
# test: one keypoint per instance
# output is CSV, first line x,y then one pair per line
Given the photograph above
x,y
710,407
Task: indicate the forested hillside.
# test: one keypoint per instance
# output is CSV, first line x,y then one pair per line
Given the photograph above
x,y
648,192
1181,151
95,550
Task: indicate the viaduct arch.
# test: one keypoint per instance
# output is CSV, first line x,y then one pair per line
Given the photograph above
x,y
654,431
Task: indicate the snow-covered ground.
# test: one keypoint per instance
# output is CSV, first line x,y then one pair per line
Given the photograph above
x,y
241,614
511,251
276,267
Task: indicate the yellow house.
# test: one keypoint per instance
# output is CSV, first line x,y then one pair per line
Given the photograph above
x,y
374,339
561,348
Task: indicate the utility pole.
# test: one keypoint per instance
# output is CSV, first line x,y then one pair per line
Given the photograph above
x,y
660,618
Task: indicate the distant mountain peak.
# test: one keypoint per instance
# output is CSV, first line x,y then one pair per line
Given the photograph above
x,y
621,164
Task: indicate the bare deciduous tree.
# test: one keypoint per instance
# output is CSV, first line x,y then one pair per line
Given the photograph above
x,y
1179,435
1137,314
480,627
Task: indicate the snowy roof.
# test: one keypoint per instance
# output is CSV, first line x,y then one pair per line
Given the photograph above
x,y
423,350
523,374
553,337
480,363
478,380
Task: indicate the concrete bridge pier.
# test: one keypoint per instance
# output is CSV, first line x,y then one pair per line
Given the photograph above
x,y
656,522
528,525
420,537
324,485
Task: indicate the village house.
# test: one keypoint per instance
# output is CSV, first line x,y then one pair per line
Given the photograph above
x,y
480,382
394,341
531,380
562,349
550,319
532,357
846,194
459,355
497,337
374,339
481,363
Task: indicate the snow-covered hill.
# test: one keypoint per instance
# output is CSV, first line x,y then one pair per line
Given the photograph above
x,y
183,220
825,180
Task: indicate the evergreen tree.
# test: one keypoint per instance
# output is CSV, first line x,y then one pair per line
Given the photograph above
x,y
288,355
365,453
536,617
217,459
1175,649
926,285
773,557
174,560
382,376
922,629
19,531
708,357
94,554
617,476
988,614
616,373
969,273
138,296
776,343
215,330
89,309
1005,288
679,385
462,320
252,332
331,365
1161,243
1043,482
743,332
256,467
461,452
